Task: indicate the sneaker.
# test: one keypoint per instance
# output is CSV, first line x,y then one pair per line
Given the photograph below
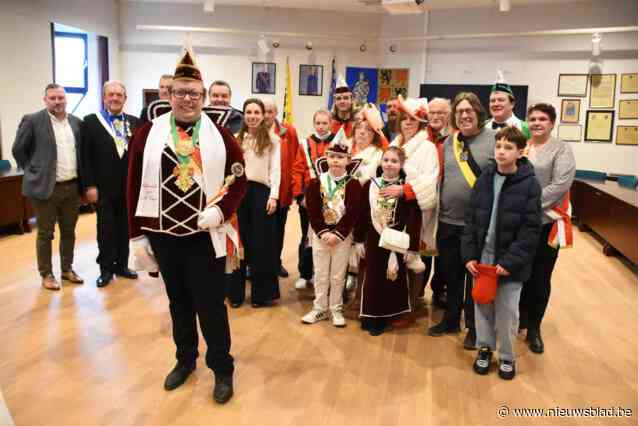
x,y
351,282
506,369
337,319
314,316
483,361
469,342
301,284
443,328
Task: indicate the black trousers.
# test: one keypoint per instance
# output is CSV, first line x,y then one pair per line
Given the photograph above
x,y
195,286
304,265
112,232
257,231
437,284
536,290
459,284
280,228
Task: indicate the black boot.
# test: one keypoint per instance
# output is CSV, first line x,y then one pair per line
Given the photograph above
x,y
535,341
470,339
223,390
178,375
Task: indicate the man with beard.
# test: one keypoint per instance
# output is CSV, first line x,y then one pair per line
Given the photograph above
x,y
105,138
389,130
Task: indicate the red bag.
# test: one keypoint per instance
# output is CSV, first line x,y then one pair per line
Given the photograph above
x,y
485,283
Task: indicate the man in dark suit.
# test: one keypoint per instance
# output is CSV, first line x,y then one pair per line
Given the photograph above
x,y
220,94
164,88
105,137
47,147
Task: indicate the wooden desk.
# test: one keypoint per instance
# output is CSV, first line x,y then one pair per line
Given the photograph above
x,y
15,208
609,210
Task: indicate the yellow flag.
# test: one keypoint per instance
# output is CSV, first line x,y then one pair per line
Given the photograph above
x,y
288,96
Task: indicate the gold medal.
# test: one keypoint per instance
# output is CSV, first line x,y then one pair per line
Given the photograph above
x,y
185,147
184,174
330,216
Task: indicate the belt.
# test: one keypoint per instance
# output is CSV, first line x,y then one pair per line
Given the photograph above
x,y
67,182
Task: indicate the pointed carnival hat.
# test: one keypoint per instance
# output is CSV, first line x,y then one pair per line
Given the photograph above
x,y
342,85
415,108
187,68
500,85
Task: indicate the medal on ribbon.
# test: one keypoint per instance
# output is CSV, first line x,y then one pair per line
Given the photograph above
x,y
188,156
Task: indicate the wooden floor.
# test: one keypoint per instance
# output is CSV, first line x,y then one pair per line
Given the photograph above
x,y
88,356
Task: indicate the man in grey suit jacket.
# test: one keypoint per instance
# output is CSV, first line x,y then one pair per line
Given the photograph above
x,y
47,148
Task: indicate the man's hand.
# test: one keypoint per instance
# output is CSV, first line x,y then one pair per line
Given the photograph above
x,y
502,271
471,266
91,194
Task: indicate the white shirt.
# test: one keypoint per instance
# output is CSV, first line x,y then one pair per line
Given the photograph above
x,y
65,144
265,169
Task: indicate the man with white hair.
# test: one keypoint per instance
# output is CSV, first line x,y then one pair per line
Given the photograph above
x,y
288,150
105,138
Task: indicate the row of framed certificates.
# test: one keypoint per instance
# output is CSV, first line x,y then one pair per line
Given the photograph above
x,y
599,120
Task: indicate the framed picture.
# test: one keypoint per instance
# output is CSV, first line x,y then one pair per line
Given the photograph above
x,y
364,83
264,78
570,132
629,83
148,96
628,109
602,90
310,80
570,111
393,82
572,85
627,135
599,126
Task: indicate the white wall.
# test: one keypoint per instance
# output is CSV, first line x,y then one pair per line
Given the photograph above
x,y
148,54
25,43
537,61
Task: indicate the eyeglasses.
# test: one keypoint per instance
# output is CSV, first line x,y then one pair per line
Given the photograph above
x,y
181,94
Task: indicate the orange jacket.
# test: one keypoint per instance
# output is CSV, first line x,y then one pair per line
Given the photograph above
x,y
313,147
336,124
288,149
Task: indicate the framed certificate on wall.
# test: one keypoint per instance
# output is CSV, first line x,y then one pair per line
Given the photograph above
x,y
574,85
627,135
602,90
628,109
599,126
629,83
570,132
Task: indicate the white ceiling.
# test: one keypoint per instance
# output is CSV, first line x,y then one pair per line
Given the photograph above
x,y
357,5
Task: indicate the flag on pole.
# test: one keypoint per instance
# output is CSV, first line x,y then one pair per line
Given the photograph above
x,y
288,96
333,85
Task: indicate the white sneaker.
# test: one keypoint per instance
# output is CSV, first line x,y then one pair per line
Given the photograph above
x,y
351,282
301,284
314,316
338,319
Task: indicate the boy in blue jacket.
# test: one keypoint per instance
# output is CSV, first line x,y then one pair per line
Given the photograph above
x,y
503,227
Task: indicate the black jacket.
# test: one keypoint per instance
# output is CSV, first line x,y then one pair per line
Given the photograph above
x,y
518,219
101,164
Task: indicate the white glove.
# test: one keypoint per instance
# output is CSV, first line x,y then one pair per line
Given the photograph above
x,y
210,218
143,257
360,249
413,262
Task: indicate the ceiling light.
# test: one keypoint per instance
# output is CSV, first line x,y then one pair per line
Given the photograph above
x,y
504,6
209,6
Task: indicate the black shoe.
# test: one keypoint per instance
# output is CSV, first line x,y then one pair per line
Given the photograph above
x,y
125,272
283,273
506,369
443,328
469,342
104,279
376,331
535,341
178,375
223,390
438,300
236,304
483,361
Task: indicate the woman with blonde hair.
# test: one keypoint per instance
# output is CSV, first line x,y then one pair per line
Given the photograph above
x,y
256,212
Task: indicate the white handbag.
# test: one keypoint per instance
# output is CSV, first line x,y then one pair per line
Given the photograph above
x,y
393,240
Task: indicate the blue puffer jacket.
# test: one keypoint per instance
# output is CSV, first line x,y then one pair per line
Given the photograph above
x,y
518,219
